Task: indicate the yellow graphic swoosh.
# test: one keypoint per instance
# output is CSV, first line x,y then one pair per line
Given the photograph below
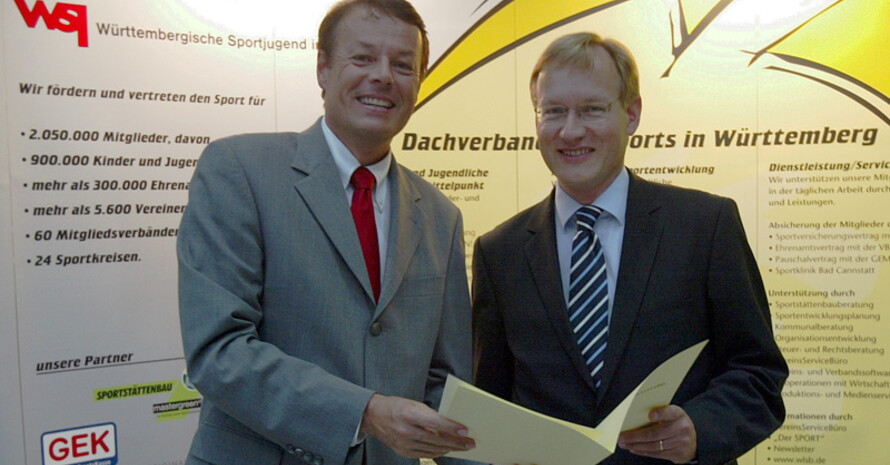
x,y
696,11
703,13
506,27
847,40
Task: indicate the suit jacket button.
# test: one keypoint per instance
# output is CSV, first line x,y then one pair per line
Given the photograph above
x,y
376,329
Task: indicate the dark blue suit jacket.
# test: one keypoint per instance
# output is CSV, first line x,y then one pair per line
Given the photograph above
x,y
686,274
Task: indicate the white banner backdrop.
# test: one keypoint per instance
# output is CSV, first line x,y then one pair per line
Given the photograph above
x,y
107,105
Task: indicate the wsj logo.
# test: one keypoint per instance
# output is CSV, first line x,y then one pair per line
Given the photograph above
x,y
95,444
66,17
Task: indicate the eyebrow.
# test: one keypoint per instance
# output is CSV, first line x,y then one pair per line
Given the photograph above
x,y
584,101
366,46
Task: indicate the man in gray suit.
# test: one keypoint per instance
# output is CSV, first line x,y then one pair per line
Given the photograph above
x,y
308,342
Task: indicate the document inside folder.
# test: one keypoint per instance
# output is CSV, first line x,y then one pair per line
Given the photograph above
x,y
507,433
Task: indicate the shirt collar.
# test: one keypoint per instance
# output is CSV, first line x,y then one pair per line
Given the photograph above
x,y
347,164
613,201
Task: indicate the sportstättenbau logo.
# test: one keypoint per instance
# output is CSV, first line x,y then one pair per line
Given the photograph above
x,y
66,17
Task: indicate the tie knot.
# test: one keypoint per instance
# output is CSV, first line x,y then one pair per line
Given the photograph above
x,y
587,215
362,178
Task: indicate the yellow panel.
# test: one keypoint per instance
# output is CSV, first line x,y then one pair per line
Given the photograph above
x,y
502,29
851,38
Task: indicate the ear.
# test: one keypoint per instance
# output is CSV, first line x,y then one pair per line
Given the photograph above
x,y
633,115
321,68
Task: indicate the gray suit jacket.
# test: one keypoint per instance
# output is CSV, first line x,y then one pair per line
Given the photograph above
x,y
281,333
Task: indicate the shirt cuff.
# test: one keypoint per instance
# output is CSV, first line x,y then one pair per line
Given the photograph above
x,y
360,438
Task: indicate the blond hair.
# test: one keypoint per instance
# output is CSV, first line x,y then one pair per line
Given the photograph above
x,y
577,51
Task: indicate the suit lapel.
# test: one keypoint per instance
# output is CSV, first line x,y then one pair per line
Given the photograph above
x,y
405,233
543,259
321,189
642,233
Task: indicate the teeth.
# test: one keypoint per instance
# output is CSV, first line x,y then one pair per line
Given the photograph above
x,y
575,153
376,102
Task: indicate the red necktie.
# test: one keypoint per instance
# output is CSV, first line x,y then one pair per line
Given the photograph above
x,y
363,214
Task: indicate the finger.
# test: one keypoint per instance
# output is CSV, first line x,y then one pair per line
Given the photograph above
x,y
432,444
656,449
432,434
666,413
444,432
413,429
647,434
435,422
421,450
446,441
414,443
672,438
647,447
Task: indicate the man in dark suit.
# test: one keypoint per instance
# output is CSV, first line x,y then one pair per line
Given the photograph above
x,y
321,314
567,333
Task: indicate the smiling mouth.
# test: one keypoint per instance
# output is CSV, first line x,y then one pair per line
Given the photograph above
x,y
376,102
576,152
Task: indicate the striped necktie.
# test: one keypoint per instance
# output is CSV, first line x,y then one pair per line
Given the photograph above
x,y
589,292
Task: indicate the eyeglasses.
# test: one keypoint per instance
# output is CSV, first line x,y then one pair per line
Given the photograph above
x,y
589,113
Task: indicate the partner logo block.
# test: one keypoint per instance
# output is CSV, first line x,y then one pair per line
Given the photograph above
x,y
88,445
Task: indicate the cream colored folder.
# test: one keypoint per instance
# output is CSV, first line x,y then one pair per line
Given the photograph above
x,y
507,433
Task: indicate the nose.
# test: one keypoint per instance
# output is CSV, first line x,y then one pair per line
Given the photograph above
x,y
573,128
381,71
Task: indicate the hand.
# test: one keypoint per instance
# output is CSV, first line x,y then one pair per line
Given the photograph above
x,y
670,436
412,429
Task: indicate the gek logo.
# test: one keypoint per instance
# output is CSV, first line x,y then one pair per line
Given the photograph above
x,y
95,444
66,17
